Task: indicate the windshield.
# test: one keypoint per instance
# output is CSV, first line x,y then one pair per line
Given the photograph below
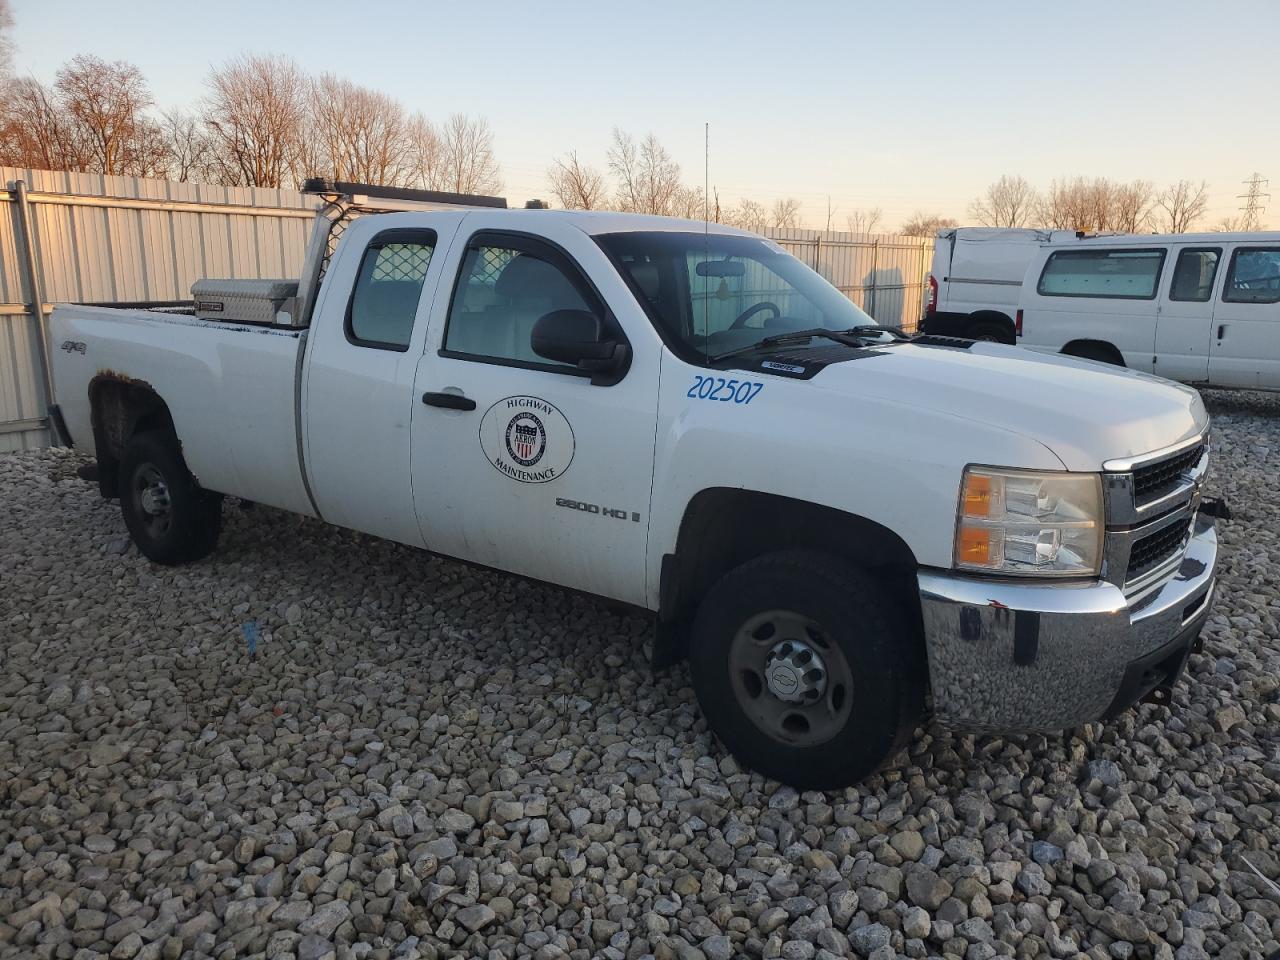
x,y
713,294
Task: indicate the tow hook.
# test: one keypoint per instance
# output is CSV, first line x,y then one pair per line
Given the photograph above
x,y
1162,695
1217,508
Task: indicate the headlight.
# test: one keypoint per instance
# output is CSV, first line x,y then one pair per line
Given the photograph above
x,y
1033,524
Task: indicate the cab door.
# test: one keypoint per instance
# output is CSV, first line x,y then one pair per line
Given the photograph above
x,y
1185,321
519,462
1245,349
368,331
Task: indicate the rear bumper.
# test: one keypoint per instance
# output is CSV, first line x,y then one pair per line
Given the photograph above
x,y
1030,657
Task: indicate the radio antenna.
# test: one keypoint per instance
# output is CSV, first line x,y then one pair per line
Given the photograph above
x,y
706,238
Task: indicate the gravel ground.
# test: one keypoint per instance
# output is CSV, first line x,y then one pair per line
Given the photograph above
x,y
428,761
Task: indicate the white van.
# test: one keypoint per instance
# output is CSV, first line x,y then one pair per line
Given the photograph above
x,y
976,279
1200,308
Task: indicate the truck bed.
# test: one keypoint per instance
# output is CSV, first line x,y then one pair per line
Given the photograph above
x,y
231,389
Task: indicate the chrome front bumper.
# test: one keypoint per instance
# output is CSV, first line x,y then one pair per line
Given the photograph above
x,y
1007,656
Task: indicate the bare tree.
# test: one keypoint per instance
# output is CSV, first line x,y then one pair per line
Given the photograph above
x,y
187,146
1078,203
38,132
648,178
576,185
105,103
1228,225
425,153
864,221
468,164
1182,204
255,112
6,40
691,204
785,213
1009,202
355,133
1097,204
749,215
1131,206
921,224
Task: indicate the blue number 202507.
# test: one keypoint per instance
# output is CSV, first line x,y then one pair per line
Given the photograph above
x,y
718,388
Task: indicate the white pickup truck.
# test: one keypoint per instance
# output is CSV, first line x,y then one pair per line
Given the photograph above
x,y
841,527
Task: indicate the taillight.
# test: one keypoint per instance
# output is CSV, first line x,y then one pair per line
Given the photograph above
x,y
1017,324
932,305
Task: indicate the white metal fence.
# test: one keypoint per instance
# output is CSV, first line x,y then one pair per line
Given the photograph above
x,y
85,238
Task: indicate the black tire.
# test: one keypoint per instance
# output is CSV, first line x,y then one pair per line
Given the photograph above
x,y
992,331
1097,352
835,740
169,517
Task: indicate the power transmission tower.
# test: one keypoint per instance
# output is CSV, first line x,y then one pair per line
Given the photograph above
x,y
1254,208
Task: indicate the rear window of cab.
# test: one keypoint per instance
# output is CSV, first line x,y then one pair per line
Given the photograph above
x,y
1125,274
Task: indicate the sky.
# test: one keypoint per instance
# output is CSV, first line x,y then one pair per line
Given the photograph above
x,y
900,105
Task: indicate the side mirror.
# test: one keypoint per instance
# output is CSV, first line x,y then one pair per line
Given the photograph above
x,y
578,337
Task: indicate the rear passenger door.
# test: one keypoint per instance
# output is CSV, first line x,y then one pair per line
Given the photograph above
x,y
1185,323
367,333
519,462
1245,350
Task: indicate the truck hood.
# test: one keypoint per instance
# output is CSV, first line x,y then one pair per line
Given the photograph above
x,y
1085,412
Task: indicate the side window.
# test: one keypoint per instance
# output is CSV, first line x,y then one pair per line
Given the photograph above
x,y
1193,275
388,287
1115,274
1254,276
503,288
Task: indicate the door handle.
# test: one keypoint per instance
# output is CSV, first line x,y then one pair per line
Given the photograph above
x,y
1222,330
450,401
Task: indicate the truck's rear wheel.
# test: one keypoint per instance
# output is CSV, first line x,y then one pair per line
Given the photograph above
x,y
169,517
805,670
991,331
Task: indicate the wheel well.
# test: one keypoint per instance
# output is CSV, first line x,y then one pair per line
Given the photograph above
x,y
724,528
119,408
1004,322
1088,348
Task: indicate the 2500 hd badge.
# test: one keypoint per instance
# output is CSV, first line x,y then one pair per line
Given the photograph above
x,y
527,439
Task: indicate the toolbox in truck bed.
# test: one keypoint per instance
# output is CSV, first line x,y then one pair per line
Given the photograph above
x,y
245,301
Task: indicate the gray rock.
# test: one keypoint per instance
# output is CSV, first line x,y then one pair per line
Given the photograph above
x,y
869,937
926,889
916,923
326,919
476,917
313,947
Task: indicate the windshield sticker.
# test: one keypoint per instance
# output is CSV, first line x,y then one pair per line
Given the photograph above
x,y
527,439
724,390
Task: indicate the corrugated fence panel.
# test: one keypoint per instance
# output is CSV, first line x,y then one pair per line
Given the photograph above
x,y
883,274
90,249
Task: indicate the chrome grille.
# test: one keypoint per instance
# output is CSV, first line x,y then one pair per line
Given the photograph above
x,y
1151,504
1156,549
1151,480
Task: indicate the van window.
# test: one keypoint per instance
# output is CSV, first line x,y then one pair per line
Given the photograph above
x,y
1254,276
1193,275
1113,274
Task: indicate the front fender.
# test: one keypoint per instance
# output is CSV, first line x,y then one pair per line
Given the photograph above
x,y
888,461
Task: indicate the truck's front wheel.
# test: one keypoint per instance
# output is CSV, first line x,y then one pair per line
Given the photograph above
x,y
805,669
169,517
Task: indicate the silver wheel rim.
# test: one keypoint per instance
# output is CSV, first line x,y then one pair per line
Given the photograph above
x,y
151,499
791,678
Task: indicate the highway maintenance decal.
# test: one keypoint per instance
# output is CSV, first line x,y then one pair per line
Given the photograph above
x,y
527,439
